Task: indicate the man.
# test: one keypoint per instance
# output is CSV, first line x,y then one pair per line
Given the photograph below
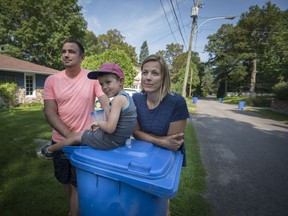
x,y
69,98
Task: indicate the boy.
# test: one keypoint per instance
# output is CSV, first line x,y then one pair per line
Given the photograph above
x,y
121,120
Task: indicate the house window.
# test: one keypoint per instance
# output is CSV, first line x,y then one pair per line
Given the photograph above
x,y
30,84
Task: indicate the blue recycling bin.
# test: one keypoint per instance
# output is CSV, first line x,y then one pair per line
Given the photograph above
x,y
221,100
194,100
241,105
130,180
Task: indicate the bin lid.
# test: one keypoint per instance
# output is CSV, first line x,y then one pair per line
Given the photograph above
x,y
141,164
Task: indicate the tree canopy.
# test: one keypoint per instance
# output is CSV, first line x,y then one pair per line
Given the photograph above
x,y
93,62
114,40
253,54
144,52
34,30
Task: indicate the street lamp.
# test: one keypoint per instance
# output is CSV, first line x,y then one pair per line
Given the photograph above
x,y
214,18
193,31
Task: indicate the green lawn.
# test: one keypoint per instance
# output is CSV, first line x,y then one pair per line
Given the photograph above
x,y
271,114
27,184
189,200
266,112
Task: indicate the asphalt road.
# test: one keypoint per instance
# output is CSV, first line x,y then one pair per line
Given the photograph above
x,y
246,160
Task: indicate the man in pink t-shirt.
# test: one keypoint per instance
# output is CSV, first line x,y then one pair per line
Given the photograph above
x,y
69,98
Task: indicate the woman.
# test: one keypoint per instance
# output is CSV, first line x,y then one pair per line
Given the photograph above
x,y
161,114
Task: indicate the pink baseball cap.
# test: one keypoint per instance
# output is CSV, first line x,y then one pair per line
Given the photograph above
x,y
107,68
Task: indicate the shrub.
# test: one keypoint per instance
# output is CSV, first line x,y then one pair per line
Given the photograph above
x,y
281,91
261,102
7,92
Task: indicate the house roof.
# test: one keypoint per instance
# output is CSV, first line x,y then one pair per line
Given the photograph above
x,y
8,63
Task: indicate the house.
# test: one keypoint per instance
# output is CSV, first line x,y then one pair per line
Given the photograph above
x,y
29,77
137,79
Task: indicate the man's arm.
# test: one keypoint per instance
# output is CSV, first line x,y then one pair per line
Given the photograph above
x,y
51,113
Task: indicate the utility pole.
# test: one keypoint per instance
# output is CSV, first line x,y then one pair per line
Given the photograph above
x,y
191,79
194,15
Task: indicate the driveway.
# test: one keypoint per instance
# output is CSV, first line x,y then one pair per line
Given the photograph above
x,y
246,160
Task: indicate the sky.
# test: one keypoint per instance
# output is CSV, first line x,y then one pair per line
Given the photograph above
x,y
154,21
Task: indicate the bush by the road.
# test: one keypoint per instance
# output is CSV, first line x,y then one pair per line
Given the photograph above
x,y
281,90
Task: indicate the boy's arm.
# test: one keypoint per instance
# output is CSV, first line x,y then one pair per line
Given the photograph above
x,y
118,103
104,101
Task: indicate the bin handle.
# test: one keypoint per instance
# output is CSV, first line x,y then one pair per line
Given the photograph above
x,y
139,167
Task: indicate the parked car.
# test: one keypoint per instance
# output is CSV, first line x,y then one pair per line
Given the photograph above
x,y
130,91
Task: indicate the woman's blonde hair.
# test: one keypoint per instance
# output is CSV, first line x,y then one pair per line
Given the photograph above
x,y
166,82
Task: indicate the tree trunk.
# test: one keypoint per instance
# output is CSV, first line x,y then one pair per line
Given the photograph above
x,y
226,83
253,77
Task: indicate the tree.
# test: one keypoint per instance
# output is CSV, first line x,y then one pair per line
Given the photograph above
x,y
144,53
160,53
90,44
177,60
172,51
93,62
113,40
224,60
205,85
252,55
34,30
264,30
177,72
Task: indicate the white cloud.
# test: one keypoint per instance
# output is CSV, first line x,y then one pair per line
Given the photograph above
x,y
84,2
150,27
94,24
137,22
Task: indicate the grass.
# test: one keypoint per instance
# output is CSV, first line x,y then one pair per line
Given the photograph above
x,y
233,100
189,200
265,112
271,114
191,106
27,184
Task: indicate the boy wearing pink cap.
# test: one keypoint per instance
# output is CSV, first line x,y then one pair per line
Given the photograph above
x,y
121,121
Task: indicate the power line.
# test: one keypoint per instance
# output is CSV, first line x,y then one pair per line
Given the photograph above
x,y
181,18
168,21
177,22
167,35
173,14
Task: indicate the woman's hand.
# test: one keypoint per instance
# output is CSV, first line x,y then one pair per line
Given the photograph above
x,y
173,142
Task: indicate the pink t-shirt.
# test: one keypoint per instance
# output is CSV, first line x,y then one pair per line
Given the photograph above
x,y
75,99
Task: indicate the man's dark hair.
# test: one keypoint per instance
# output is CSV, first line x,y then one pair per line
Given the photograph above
x,y
81,48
